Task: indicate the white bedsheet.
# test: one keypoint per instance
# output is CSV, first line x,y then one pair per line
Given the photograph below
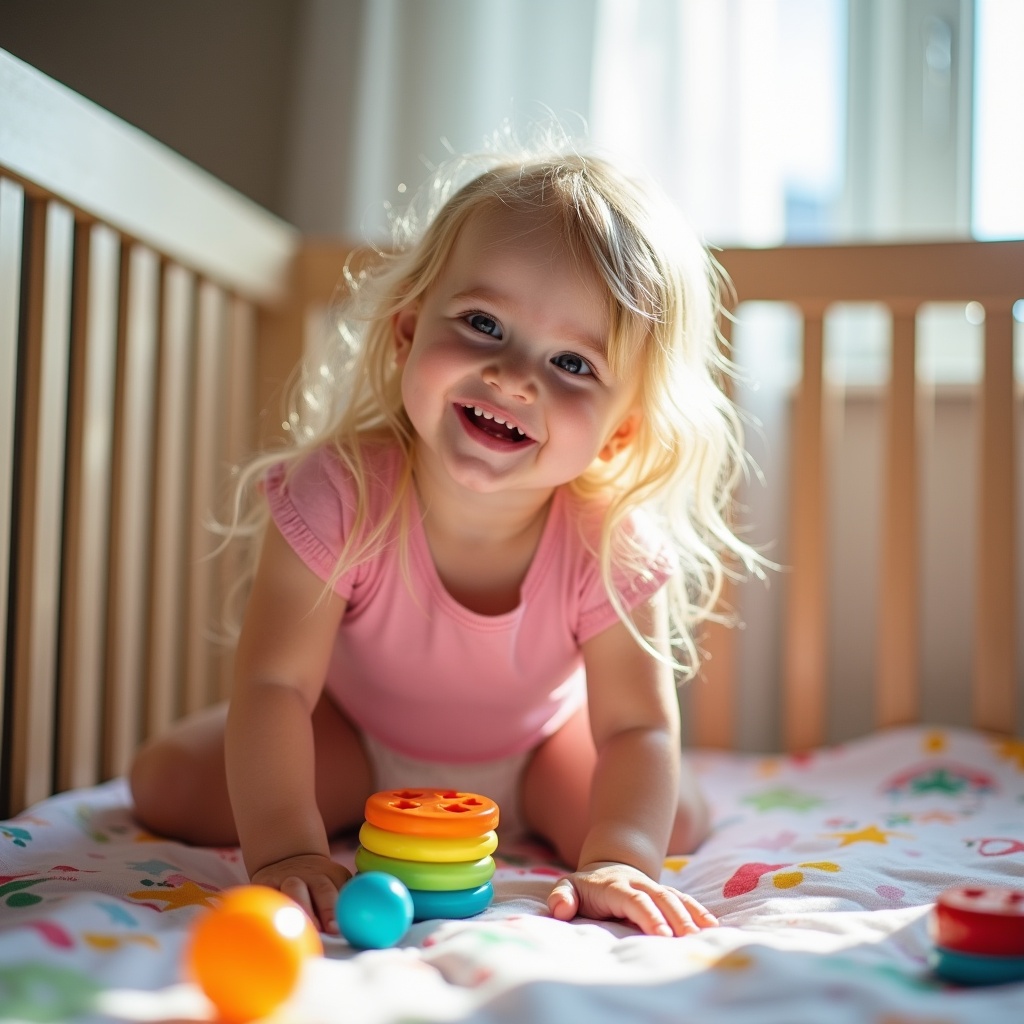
x,y
822,869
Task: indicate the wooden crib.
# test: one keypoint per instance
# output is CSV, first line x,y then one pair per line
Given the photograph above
x,y
149,317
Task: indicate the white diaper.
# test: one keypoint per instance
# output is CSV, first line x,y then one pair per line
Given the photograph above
x,y
499,780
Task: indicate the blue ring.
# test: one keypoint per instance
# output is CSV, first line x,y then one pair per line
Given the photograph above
x,y
968,968
428,904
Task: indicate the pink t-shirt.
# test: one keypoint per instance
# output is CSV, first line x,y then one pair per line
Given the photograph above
x,y
420,672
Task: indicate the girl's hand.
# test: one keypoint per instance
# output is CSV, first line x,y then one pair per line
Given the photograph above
x,y
312,881
609,890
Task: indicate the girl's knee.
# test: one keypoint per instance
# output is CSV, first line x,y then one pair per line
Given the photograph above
x,y
168,788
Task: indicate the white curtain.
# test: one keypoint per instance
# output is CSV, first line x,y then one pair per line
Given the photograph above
x,y
690,92
422,78
684,90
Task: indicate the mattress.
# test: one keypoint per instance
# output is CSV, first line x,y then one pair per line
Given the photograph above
x,y
823,869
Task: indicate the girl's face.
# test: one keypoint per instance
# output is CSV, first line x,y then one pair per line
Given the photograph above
x,y
503,360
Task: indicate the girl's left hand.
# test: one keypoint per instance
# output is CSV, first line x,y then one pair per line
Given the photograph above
x,y
609,890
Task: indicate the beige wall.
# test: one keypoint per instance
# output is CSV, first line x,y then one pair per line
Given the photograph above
x,y
215,81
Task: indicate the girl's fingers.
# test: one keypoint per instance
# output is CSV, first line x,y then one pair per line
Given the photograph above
x,y
325,896
700,914
295,888
649,914
563,901
683,913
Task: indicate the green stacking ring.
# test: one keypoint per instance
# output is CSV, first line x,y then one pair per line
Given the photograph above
x,y
432,849
421,875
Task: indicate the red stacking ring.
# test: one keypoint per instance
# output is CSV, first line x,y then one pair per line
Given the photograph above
x,y
980,919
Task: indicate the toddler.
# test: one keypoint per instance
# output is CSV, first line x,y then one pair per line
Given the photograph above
x,y
485,555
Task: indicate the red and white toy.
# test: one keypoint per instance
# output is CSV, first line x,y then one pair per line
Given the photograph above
x,y
979,935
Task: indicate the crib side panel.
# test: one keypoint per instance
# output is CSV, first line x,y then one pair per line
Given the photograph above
x,y
903,279
133,288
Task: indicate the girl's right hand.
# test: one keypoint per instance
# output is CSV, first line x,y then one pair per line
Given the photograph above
x,y
310,879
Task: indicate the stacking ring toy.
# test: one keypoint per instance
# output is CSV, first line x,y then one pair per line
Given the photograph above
x,y
420,875
980,919
432,812
428,904
978,933
428,848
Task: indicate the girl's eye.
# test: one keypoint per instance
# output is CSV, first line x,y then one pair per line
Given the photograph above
x,y
484,324
572,363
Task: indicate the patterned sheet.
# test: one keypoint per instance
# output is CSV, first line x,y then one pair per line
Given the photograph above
x,y
822,869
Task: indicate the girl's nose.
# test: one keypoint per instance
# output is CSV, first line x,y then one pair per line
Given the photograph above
x,y
512,376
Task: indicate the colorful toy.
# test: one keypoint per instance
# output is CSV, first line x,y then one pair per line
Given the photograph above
x,y
979,935
459,903
438,843
421,874
374,910
247,952
438,850
432,812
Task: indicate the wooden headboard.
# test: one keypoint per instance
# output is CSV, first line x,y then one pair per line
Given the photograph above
x,y
149,316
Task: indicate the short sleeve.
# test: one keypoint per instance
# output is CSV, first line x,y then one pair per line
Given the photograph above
x,y
312,503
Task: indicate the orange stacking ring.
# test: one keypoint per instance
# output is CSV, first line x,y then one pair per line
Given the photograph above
x,y
432,812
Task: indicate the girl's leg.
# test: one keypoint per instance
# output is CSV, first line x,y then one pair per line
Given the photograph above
x,y
179,783
555,793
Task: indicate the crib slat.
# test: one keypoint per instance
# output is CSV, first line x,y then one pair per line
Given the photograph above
x,y
43,418
995,670
173,450
805,650
131,509
86,545
896,684
11,218
200,668
239,440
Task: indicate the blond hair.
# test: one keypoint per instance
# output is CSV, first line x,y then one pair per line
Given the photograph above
x,y
664,297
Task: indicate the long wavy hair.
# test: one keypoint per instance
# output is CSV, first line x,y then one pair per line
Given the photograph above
x,y
664,295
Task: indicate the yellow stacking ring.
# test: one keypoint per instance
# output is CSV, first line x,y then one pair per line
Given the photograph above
x,y
433,849
436,877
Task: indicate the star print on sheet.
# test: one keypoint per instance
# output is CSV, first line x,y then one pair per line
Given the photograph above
x,y
870,834
1012,750
942,779
783,798
188,894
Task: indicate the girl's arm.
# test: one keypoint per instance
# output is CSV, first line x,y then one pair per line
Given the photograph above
x,y
281,662
634,717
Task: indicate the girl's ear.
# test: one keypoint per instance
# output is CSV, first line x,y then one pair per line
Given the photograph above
x,y
621,438
403,328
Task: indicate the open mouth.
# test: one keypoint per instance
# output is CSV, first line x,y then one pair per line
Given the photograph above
x,y
493,426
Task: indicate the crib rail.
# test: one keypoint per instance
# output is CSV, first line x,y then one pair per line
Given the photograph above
x,y
904,278
133,291
148,317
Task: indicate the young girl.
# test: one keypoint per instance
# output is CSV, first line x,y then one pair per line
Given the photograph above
x,y
487,551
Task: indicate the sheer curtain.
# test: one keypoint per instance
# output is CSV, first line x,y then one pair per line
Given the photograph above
x,y
424,78
691,92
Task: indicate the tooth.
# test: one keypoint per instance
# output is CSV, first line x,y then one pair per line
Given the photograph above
x,y
499,420
477,410
521,433
488,416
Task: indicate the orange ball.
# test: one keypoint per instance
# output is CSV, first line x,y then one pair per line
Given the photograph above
x,y
247,952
